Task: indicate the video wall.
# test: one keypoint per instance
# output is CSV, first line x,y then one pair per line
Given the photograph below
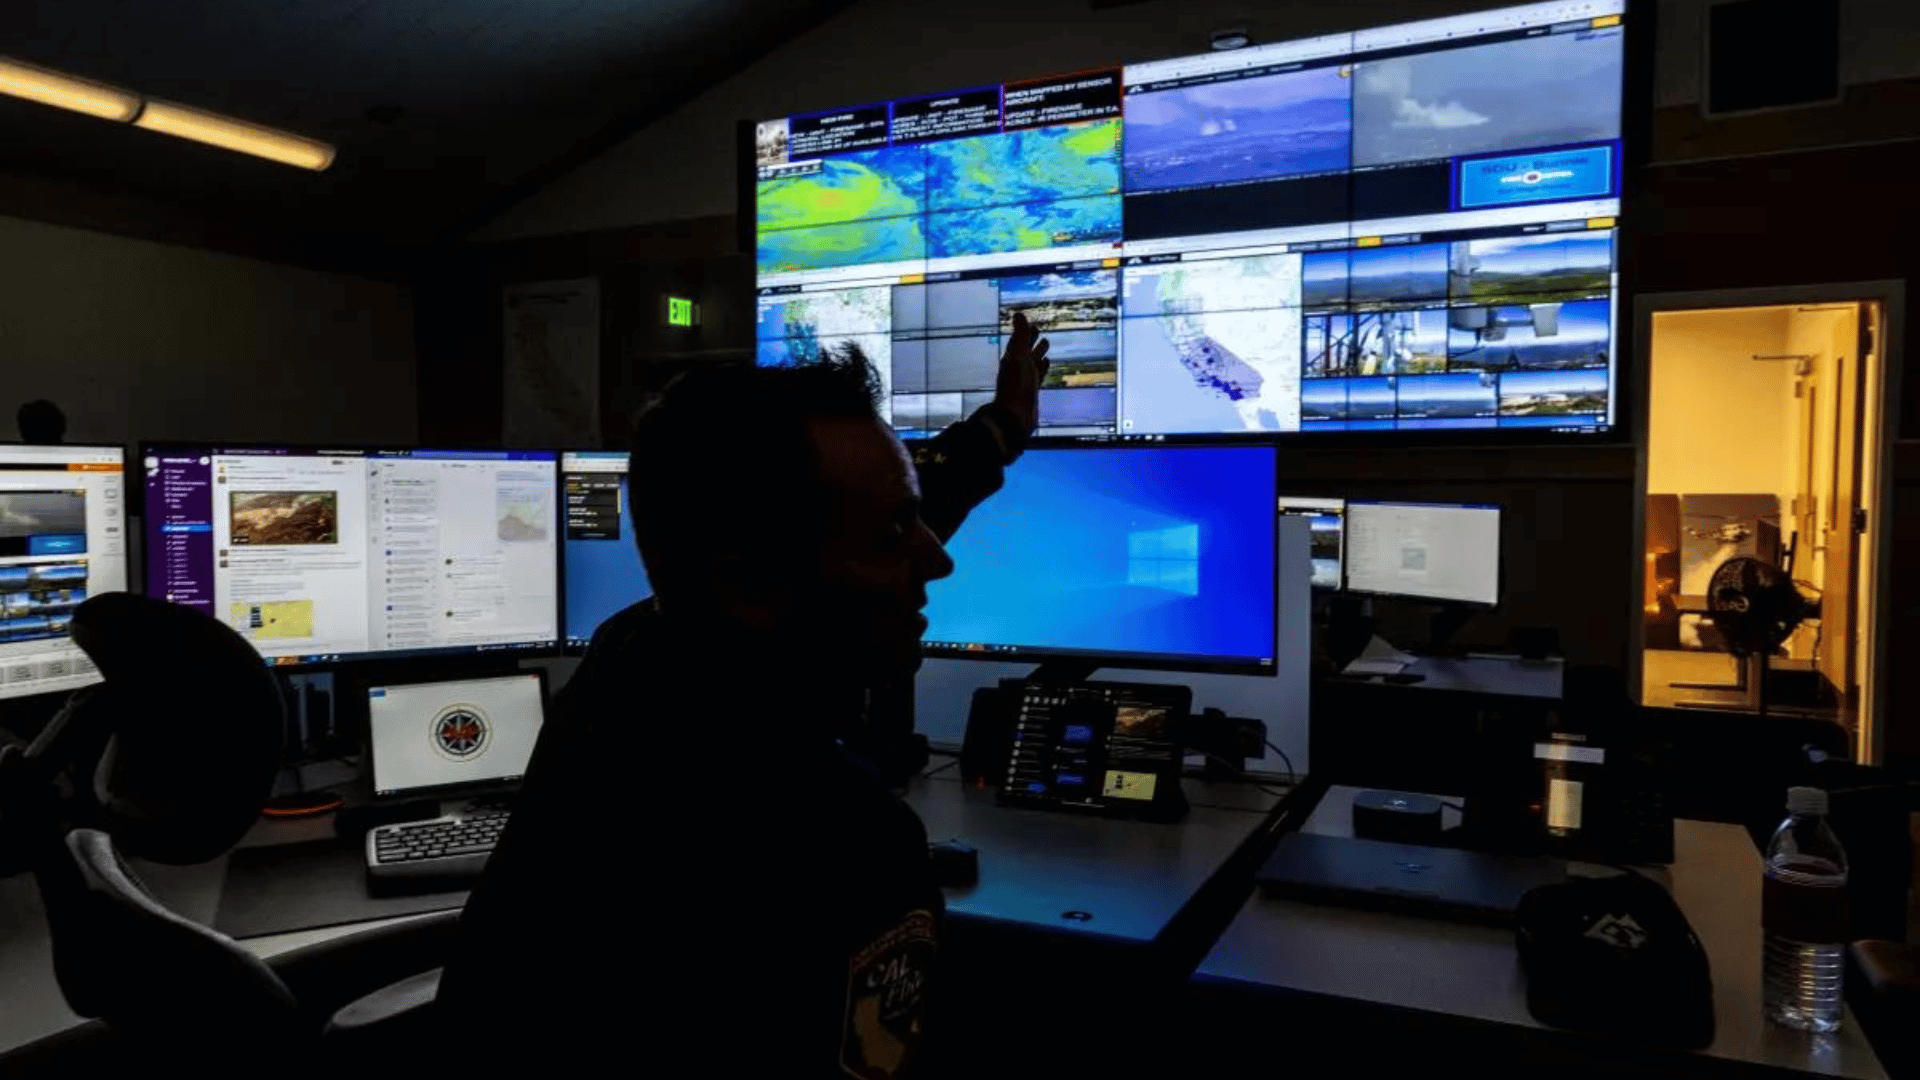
x,y
1408,228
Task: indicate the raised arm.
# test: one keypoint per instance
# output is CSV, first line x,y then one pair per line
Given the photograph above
x,y
964,464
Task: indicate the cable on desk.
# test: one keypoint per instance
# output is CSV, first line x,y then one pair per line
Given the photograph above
x,y
1293,777
1245,776
941,769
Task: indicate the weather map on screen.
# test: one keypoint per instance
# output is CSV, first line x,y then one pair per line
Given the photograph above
x,y
1376,230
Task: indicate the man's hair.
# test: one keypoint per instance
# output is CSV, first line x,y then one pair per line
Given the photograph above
x,y
724,452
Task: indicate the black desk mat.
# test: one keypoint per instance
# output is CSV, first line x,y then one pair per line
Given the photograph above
x,y
280,888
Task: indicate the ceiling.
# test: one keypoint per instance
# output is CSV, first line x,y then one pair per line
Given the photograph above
x,y
444,111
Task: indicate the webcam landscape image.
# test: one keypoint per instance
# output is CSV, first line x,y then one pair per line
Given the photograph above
x,y
1073,300
43,513
1396,275
1247,129
1549,90
1520,337
1516,269
1452,395
1553,393
284,517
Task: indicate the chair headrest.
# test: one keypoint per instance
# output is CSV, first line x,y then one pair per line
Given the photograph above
x,y
193,721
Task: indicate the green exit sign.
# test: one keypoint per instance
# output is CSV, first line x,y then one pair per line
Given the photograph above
x,y
681,311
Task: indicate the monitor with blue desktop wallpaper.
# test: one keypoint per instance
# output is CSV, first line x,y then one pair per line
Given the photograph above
x,y
1138,555
601,571
321,555
1409,228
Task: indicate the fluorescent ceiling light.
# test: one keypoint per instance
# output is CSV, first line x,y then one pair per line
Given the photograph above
x,y
228,133
67,92
36,83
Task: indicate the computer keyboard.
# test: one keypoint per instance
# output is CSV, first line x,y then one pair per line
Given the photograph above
x,y
453,847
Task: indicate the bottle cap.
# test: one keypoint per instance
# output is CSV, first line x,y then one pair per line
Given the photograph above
x,y
1806,800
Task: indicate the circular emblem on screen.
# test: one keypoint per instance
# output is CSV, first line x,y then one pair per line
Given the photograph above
x,y
460,732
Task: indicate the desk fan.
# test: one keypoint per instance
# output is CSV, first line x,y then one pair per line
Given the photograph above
x,y
1755,607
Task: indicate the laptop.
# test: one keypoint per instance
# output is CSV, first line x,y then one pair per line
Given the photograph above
x,y
1447,883
462,742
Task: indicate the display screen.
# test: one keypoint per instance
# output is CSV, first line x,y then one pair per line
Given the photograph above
x,y
602,571
459,733
1403,229
63,522
1326,533
1158,556
326,555
1426,551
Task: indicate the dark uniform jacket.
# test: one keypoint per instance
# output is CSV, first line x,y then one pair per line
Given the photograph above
x,y
697,879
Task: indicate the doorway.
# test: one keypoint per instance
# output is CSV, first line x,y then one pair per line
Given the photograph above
x,y
1762,472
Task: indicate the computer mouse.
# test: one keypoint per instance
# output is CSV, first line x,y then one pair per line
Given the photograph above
x,y
955,862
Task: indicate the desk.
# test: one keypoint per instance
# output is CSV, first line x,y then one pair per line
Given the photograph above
x,y
1435,973
1501,676
1130,877
1397,735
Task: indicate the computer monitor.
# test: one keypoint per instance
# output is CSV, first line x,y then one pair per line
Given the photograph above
x,y
63,523
1143,556
600,566
457,735
1326,529
1424,551
318,555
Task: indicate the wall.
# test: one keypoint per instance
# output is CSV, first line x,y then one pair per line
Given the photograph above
x,y
1720,422
139,340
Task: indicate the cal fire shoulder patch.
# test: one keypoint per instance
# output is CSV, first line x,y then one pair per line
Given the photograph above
x,y
886,992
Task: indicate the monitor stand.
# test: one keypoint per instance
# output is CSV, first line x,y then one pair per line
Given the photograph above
x,y
1447,619
1062,672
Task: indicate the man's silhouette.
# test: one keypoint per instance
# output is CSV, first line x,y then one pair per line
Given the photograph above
x,y
41,423
696,869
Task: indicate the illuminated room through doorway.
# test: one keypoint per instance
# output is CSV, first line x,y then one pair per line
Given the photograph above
x,y
1765,438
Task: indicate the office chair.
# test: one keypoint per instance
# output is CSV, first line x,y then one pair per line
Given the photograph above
x,y
168,760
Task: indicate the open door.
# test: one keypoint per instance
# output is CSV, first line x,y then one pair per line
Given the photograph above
x,y
1764,439
1843,519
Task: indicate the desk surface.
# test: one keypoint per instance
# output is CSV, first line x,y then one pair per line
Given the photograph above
x,y
1473,971
1131,877
1505,676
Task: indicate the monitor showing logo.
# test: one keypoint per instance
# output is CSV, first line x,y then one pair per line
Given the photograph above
x,y
459,732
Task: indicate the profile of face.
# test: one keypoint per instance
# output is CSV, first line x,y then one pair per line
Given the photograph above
x,y
864,608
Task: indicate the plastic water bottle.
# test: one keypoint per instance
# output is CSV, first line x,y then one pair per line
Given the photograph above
x,y
1803,904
